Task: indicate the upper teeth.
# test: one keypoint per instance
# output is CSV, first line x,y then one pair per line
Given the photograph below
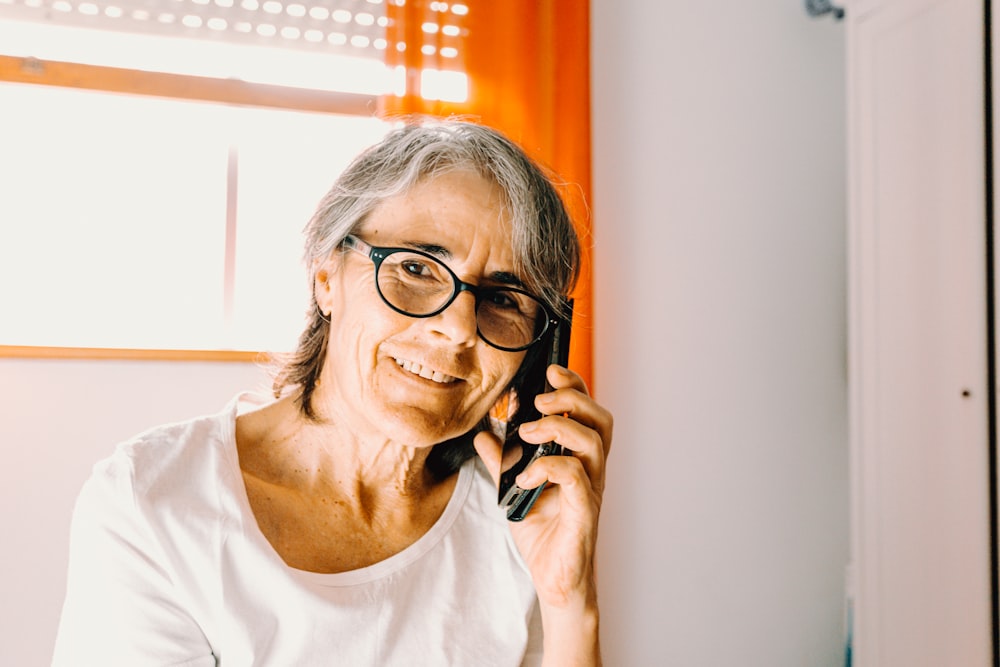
x,y
424,372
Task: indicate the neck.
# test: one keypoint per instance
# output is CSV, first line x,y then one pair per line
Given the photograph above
x,y
365,469
329,501
335,455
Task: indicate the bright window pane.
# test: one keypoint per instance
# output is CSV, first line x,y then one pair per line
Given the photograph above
x,y
112,217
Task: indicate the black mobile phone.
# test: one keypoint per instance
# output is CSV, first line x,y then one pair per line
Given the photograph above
x,y
517,454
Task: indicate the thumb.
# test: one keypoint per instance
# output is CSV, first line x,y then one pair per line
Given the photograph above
x,y
488,447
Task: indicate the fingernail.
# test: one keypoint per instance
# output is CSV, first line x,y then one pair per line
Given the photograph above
x,y
529,427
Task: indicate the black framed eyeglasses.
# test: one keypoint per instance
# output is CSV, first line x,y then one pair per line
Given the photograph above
x,y
417,284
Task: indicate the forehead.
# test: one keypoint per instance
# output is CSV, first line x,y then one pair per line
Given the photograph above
x,y
460,211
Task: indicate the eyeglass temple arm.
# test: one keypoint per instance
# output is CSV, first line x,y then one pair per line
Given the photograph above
x,y
354,243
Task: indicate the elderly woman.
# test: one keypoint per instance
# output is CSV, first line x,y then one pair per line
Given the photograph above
x,y
353,519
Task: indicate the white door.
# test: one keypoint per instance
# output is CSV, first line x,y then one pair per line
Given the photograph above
x,y
918,334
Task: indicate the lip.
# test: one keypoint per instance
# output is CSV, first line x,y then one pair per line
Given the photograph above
x,y
424,371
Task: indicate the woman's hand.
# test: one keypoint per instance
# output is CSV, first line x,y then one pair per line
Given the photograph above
x,y
558,537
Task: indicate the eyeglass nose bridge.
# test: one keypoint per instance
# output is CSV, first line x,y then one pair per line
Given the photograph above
x,y
461,286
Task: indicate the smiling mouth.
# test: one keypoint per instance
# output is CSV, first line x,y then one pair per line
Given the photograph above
x,y
424,372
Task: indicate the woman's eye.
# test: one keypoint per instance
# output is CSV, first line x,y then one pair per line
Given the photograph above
x,y
415,268
502,300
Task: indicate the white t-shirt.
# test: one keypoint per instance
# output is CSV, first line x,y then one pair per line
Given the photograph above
x,y
169,567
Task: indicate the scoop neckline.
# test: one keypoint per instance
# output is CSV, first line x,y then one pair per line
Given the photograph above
x,y
368,574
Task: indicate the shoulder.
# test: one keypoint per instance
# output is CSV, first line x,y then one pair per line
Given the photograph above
x,y
157,512
145,536
168,455
172,469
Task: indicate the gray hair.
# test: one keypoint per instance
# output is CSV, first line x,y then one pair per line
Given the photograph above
x,y
546,247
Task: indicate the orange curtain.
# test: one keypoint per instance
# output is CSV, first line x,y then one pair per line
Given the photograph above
x,y
528,65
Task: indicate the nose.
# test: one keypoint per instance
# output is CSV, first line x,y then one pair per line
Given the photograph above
x,y
457,322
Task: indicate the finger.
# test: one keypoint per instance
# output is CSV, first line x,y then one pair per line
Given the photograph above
x,y
571,396
490,450
584,442
560,377
575,489
580,408
571,434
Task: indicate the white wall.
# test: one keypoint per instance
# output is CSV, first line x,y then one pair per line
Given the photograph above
x,y
57,419
719,201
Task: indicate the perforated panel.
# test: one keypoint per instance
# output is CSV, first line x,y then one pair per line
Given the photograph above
x,y
351,27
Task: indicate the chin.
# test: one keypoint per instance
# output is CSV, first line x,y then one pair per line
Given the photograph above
x,y
415,412
416,427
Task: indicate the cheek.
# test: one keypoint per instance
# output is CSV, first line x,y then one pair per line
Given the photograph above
x,y
355,337
502,368
356,310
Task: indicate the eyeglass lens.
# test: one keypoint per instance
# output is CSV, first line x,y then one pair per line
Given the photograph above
x,y
419,285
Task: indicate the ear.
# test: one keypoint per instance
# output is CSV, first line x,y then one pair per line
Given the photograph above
x,y
324,272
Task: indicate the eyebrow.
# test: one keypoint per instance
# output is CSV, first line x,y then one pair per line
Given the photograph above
x,y
507,278
499,277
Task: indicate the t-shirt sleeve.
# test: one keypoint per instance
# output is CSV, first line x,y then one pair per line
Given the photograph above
x,y
122,606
